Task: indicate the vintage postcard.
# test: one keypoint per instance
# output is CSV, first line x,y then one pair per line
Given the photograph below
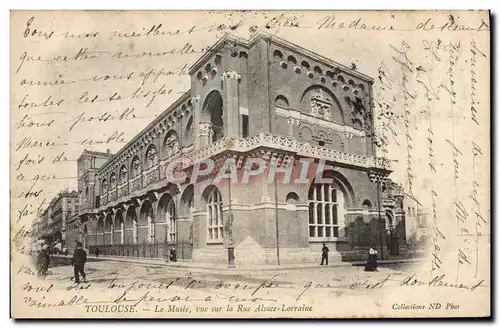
x,y
250,164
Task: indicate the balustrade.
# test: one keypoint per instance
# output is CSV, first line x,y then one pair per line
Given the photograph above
x,y
104,198
136,183
123,189
151,175
112,195
287,144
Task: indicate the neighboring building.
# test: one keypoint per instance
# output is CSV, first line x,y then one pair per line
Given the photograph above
x,y
416,218
393,201
262,98
52,225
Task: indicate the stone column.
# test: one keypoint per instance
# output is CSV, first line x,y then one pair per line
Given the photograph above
x,y
291,123
205,134
135,224
195,102
153,220
232,105
112,228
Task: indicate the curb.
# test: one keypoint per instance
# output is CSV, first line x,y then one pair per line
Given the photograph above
x,y
180,264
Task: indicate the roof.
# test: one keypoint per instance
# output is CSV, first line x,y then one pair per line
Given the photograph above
x,y
95,153
210,52
279,41
149,126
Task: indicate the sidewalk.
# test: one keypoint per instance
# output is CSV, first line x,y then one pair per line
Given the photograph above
x,y
187,264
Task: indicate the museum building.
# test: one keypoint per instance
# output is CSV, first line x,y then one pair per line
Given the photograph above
x,y
260,98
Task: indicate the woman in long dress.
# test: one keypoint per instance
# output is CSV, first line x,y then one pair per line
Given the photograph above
x,y
371,264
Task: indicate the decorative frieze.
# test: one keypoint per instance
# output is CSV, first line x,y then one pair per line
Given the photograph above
x,y
230,74
321,105
287,144
205,129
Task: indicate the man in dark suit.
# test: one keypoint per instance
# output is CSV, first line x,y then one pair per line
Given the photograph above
x,y
324,254
78,262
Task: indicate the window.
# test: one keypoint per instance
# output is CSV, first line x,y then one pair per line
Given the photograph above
x,y
136,167
171,143
172,226
215,224
151,157
104,186
325,212
321,143
409,211
123,177
244,119
422,220
112,181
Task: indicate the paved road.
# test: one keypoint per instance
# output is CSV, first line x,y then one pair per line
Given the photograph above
x,y
159,290
101,273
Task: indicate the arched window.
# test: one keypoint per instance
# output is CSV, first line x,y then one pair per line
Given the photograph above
x,y
292,198
123,175
112,181
281,101
104,186
326,212
172,226
168,217
213,112
188,132
170,144
278,55
215,221
151,156
136,167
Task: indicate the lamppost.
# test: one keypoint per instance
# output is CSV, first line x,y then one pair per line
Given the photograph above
x,y
167,257
379,177
228,226
229,230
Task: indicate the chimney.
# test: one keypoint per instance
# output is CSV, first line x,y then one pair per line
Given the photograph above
x,y
108,151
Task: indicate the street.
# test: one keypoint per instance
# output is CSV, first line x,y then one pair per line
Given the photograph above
x,y
342,279
176,290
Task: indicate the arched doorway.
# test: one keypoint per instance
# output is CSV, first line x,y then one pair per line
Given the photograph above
x,y
119,226
130,227
108,230
146,233
186,204
166,220
100,231
213,112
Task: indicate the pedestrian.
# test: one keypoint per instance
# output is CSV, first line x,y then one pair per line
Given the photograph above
x,y
173,255
44,260
97,252
371,264
78,262
324,254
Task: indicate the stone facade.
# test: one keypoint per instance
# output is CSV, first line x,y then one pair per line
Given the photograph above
x,y
263,98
